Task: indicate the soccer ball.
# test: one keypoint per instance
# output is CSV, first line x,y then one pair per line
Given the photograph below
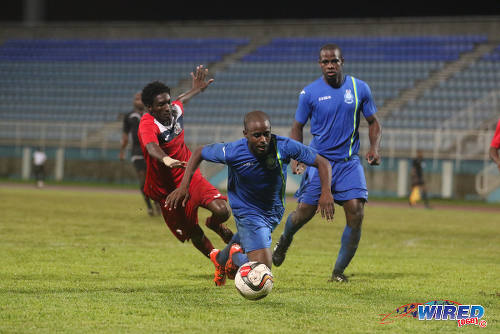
x,y
254,280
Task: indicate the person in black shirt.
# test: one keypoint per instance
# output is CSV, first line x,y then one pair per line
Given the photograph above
x,y
130,128
418,188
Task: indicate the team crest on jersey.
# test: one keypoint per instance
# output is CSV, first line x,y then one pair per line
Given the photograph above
x,y
348,97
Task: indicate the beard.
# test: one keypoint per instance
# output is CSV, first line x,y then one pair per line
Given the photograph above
x,y
334,80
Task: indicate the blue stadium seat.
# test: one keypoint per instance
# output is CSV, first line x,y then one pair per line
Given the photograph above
x,y
94,80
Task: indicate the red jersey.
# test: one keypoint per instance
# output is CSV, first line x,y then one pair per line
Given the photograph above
x,y
161,180
495,142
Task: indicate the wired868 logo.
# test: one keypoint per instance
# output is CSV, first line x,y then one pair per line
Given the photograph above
x,y
439,310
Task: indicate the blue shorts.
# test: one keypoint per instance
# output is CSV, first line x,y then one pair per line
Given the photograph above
x,y
255,231
348,182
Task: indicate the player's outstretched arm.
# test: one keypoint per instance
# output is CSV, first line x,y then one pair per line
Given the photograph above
x,y
123,145
199,84
181,194
156,152
374,135
325,205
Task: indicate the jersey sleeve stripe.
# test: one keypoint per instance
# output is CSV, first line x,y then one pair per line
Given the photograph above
x,y
283,182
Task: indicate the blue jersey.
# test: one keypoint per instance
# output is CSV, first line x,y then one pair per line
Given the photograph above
x,y
335,115
257,186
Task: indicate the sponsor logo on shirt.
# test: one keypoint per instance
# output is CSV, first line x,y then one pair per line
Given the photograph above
x,y
323,98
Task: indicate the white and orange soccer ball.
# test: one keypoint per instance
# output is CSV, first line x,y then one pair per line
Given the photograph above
x,y
254,280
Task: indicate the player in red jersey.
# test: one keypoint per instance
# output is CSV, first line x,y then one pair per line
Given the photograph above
x,y
161,134
495,146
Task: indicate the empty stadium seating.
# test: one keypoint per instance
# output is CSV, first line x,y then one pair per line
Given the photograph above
x,y
271,77
463,102
94,80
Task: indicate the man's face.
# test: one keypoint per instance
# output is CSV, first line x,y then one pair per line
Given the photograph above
x,y
331,63
162,109
258,134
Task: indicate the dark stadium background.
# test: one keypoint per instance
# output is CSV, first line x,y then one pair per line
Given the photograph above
x,y
431,33
64,10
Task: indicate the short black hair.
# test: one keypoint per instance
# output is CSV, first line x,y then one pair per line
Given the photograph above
x,y
152,90
332,47
255,115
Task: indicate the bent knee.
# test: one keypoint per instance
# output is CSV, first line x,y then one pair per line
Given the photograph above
x,y
304,213
355,220
354,213
220,209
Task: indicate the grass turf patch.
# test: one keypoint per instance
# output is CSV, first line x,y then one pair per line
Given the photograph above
x,y
94,262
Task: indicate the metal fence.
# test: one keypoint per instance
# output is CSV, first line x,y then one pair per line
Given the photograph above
x,y
451,144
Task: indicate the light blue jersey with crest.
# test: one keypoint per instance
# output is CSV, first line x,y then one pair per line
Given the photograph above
x,y
257,186
335,115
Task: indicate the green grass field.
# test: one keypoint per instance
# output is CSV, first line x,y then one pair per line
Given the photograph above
x,y
92,261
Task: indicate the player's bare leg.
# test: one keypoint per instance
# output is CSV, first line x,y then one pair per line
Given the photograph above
x,y
261,255
295,221
354,213
201,242
220,214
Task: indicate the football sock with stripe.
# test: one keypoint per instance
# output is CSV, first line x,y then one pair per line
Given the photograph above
x,y
349,245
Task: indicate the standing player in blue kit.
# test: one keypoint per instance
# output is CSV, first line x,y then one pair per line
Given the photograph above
x,y
333,104
256,189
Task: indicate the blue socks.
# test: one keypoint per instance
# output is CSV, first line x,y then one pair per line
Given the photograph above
x,y
349,242
238,258
349,245
290,228
224,253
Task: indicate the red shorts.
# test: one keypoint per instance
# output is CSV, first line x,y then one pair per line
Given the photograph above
x,y
183,220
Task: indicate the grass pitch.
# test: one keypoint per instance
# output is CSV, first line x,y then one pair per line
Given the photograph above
x,y
92,261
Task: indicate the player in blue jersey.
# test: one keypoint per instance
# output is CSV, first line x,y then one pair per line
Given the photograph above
x,y
257,167
333,104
